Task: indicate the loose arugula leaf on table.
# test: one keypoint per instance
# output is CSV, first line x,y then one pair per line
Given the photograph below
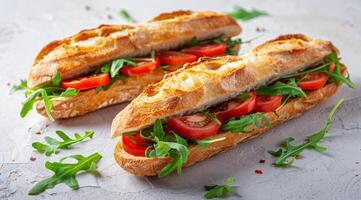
x,y
287,153
205,142
240,125
177,150
280,88
125,15
54,145
245,15
220,191
66,172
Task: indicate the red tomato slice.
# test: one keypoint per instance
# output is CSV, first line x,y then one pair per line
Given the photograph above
x,y
194,127
86,83
236,108
141,68
206,49
313,81
175,57
268,103
136,149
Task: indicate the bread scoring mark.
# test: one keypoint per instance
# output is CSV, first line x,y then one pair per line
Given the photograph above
x,y
237,79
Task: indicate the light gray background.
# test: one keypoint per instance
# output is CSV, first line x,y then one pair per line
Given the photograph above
x,y
26,26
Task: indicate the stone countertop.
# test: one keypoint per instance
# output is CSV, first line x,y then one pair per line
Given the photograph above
x,y
26,26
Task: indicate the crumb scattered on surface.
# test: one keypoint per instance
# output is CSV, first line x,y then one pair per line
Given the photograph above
x,y
261,29
32,158
110,17
262,161
297,157
87,8
38,133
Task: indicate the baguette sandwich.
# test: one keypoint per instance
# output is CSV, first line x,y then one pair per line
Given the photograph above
x,y
215,103
113,63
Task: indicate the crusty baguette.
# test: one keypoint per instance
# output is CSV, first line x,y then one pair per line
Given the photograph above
x,y
143,166
119,92
215,80
87,50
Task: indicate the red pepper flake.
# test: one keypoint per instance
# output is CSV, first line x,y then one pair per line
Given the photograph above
x,y
297,157
32,158
262,161
258,171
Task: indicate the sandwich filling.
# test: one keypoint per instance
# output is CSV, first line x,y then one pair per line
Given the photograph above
x,y
121,69
239,115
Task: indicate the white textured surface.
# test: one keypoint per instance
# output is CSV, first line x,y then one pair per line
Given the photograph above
x,y
25,26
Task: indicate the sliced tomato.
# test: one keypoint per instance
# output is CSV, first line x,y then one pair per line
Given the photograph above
x,y
194,127
175,57
268,103
236,108
86,83
135,145
313,81
211,49
141,68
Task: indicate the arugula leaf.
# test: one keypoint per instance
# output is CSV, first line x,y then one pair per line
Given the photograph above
x,y
325,68
244,96
106,68
287,153
118,64
125,15
152,55
115,79
177,150
205,142
56,79
220,191
69,92
66,172
158,131
54,145
194,41
240,125
245,15
29,103
280,88
212,117
23,85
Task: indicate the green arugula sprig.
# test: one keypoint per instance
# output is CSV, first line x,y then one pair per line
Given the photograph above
x,y
245,15
336,76
206,142
44,93
125,15
287,153
55,145
177,149
66,172
240,125
23,85
220,191
280,88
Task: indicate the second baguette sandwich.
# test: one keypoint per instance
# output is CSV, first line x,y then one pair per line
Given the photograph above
x,y
223,101
113,63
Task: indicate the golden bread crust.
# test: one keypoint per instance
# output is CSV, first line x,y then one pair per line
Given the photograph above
x,y
215,80
84,52
143,166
